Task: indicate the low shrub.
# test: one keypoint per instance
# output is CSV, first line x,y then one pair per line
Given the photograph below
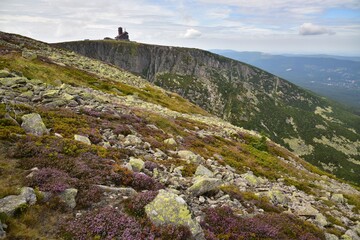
x,y
222,223
135,205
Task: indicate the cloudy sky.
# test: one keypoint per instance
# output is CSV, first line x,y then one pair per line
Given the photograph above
x,y
273,26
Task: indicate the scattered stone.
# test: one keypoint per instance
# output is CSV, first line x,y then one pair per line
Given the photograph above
x,y
132,140
189,156
203,185
252,179
33,124
169,208
121,190
50,93
352,234
170,141
82,139
2,231
203,171
68,197
136,164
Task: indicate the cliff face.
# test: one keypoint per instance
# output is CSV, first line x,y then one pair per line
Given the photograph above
x,y
313,127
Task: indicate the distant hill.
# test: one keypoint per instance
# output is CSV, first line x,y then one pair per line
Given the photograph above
x,y
336,77
324,133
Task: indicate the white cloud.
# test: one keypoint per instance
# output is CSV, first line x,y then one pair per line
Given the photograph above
x,y
192,33
312,29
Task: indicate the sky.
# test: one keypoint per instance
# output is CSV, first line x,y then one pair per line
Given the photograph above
x,y
271,26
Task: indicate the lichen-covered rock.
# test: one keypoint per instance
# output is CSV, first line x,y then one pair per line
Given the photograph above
x,y
5,73
203,171
9,204
321,220
170,141
189,156
136,164
277,197
203,185
123,191
306,210
28,55
82,139
351,235
169,208
252,179
338,198
33,124
68,197
50,93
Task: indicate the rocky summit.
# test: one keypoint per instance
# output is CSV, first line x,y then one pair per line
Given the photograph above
x,y
322,132
91,151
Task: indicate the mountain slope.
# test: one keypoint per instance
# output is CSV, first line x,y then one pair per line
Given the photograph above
x,y
322,132
338,79
99,153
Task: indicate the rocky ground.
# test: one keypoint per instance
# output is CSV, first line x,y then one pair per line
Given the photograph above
x,y
105,165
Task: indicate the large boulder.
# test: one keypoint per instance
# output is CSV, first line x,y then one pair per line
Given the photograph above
x,y
189,156
338,198
203,185
10,204
306,210
33,124
169,208
252,179
170,141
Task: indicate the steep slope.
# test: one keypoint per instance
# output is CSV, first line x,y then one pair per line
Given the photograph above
x,y
338,79
102,154
320,131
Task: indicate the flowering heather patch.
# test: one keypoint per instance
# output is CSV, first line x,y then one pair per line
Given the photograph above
x,y
222,223
50,179
142,181
149,165
106,223
136,205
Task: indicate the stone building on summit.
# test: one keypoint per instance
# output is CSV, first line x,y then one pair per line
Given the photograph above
x,y
122,35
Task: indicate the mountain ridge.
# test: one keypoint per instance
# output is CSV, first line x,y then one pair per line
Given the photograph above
x,y
246,96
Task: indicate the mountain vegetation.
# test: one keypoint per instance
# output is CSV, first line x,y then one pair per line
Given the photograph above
x,y
90,151
319,130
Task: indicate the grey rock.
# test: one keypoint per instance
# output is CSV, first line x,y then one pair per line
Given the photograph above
x,y
169,208
203,171
121,190
132,140
306,210
329,236
189,156
68,197
321,220
2,231
9,204
352,234
33,124
170,141
203,185
82,139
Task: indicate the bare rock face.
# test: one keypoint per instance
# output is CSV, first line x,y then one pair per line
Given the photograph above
x,y
33,124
